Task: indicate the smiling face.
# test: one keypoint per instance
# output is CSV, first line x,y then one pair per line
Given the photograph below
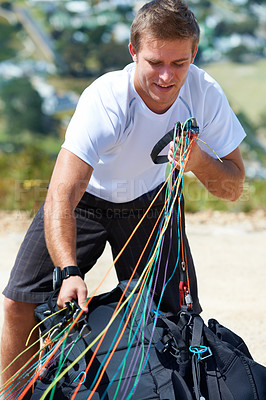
x,y
161,70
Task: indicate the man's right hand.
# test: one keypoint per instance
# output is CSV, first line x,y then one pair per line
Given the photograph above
x,y
73,288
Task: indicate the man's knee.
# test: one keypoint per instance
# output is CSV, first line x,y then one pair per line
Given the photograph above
x,y
19,311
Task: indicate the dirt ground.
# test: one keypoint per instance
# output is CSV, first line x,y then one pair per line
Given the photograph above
x,y
229,252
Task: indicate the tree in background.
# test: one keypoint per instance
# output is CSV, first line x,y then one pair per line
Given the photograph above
x,y
22,107
7,39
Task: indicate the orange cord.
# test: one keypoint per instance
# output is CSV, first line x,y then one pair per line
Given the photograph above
x,y
31,383
121,298
36,376
131,311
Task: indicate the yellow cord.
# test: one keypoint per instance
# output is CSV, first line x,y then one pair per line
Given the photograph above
x,y
45,319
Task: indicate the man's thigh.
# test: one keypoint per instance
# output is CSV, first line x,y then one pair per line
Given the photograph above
x,y
31,277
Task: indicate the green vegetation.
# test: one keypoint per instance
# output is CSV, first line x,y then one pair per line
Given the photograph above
x,y
24,177
244,85
68,83
22,107
198,198
9,44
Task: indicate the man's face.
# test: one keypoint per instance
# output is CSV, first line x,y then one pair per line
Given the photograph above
x,y
161,70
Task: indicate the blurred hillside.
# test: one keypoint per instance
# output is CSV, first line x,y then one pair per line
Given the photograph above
x,y
51,50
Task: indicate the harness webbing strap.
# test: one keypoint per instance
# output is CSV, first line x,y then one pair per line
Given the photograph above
x,y
197,331
161,144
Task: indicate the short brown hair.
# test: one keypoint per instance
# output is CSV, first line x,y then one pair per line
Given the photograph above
x,y
164,20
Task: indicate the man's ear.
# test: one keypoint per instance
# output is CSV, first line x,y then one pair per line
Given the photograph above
x,y
194,54
132,51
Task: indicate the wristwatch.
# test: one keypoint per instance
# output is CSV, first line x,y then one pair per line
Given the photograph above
x,y
60,274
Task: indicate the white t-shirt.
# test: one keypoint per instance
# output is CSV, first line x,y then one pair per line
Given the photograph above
x,y
114,131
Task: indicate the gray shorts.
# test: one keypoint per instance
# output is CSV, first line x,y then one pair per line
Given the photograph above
x,y
99,221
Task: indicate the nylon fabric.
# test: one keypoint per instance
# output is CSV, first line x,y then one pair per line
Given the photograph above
x,y
172,371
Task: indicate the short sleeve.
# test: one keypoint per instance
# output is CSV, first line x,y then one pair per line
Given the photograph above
x,y
220,128
94,126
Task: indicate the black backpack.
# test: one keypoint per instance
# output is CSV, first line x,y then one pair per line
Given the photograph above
x,y
179,358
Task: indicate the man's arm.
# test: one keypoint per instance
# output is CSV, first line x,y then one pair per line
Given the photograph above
x,y
222,179
68,183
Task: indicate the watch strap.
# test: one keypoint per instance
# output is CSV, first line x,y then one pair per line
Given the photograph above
x,y
72,270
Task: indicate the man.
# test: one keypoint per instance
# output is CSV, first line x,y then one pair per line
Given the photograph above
x,y
104,178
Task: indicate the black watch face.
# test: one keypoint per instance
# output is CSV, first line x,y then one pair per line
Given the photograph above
x,y
57,278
